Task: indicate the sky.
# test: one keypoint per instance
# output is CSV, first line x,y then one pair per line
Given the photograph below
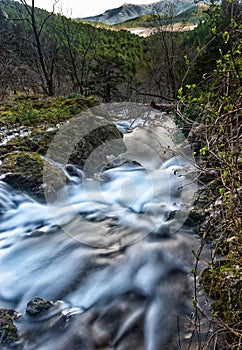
x,y
84,8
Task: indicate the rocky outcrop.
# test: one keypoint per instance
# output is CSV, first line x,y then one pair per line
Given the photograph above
x,y
34,163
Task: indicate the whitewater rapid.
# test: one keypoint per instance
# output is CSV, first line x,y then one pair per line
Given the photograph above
x,y
115,241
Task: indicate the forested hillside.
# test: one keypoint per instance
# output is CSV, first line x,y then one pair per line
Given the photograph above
x,y
47,53
50,54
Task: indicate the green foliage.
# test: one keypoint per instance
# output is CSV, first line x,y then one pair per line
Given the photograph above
x,y
209,38
71,52
142,21
211,107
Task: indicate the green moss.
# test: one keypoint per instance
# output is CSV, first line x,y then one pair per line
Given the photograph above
x,y
24,171
36,111
37,141
29,163
8,331
222,281
22,164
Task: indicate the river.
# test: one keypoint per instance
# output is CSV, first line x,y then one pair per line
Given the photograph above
x,y
112,252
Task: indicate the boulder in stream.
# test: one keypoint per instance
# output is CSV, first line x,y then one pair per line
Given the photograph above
x,y
38,305
8,331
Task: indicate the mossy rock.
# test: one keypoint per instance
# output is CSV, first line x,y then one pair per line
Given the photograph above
x,y
46,111
37,306
22,165
96,146
37,141
24,172
222,281
87,141
8,331
94,137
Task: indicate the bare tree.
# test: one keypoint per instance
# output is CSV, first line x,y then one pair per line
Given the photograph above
x,y
45,60
167,44
7,66
232,8
163,62
81,45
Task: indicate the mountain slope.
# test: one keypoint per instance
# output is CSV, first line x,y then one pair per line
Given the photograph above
x,y
121,14
192,15
130,11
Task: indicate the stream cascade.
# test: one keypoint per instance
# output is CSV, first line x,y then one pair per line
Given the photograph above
x,y
113,252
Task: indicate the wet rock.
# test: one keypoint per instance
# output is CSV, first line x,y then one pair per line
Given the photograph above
x,y
8,331
24,172
36,140
195,217
118,162
37,306
93,149
86,144
43,321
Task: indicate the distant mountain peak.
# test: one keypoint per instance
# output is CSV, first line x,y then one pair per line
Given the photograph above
x,y
129,11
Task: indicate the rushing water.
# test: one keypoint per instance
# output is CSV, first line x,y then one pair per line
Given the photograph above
x,y
112,249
